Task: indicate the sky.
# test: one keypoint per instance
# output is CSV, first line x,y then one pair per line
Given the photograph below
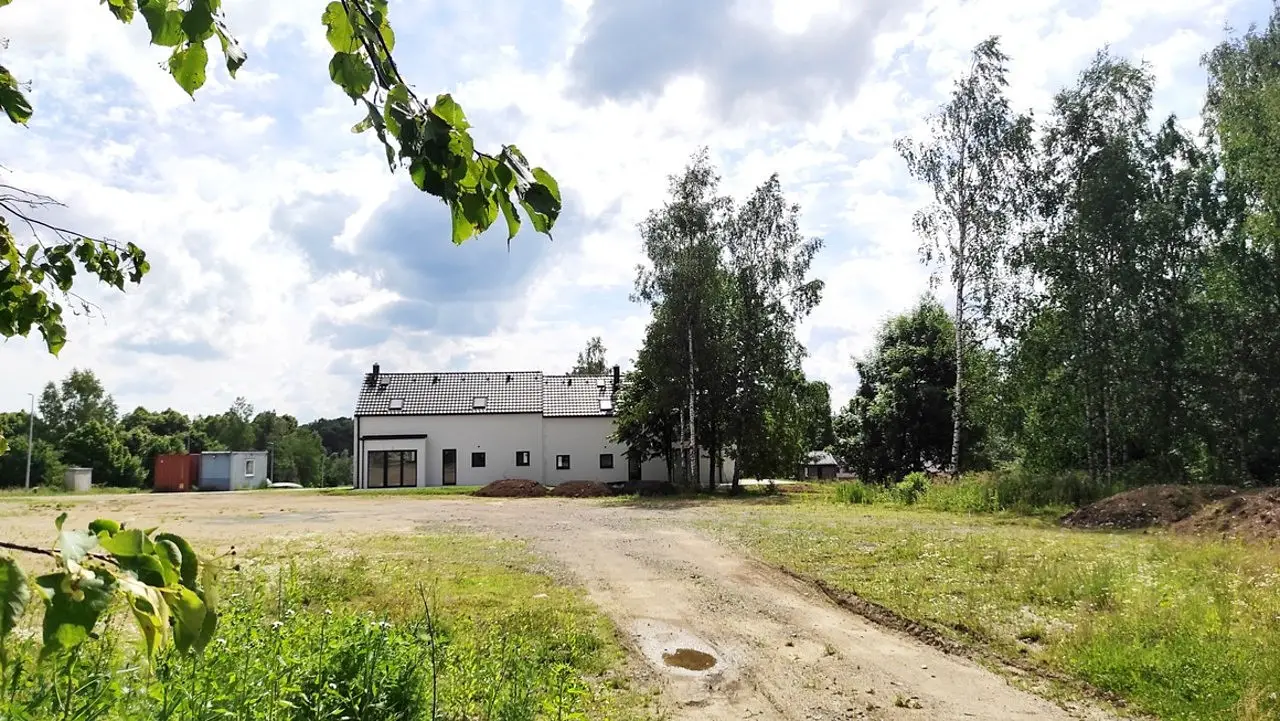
x,y
286,259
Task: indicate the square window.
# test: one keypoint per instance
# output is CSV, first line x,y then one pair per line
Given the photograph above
x,y
606,460
562,463
477,460
248,467
522,458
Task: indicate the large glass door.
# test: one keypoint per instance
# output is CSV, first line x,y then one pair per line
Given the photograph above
x,y
393,469
449,474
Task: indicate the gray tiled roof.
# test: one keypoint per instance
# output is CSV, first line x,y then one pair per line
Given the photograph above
x,y
578,396
450,393
821,458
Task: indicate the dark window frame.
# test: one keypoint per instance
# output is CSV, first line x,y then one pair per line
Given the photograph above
x,y
479,456
403,459
525,456
606,458
565,458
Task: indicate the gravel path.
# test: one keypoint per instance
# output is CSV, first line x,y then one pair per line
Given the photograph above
x,y
777,648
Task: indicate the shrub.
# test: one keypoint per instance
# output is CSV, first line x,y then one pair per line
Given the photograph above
x,y
911,488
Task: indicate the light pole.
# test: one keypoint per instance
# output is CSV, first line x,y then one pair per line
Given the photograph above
x,y
31,434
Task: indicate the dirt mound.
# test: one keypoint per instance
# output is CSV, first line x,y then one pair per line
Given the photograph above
x,y
513,488
1147,506
1250,515
581,489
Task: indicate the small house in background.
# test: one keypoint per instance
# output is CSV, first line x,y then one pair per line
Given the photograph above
x,y
232,470
176,472
78,480
820,465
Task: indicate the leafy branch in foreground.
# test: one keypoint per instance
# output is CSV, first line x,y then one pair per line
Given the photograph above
x,y
429,140
166,585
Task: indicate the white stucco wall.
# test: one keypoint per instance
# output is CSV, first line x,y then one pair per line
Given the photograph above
x,y
583,440
498,436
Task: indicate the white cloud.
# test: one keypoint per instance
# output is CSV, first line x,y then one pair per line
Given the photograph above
x,y
197,183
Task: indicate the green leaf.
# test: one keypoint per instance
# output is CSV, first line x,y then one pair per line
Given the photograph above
x,y
351,73
340,33
15,104
543,177
73,605
75,545
122,9
149,610
170,561
164,20
189,564
127,544
198,23
231,50
510,213
14,595
102,525
148,569
188,616
450,112
462,227
187,66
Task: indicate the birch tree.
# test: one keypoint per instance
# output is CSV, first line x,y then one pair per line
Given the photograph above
x,y
974,163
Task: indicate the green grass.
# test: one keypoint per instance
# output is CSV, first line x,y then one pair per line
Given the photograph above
x,y
50,492
1182,628
339,628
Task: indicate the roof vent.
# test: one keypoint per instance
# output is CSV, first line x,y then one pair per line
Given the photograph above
x,y
606,404
600,383
435,380
395,404
479,402
508,377
569,381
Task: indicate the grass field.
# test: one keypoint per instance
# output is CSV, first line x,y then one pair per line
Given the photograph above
x,y
358,627
1181,628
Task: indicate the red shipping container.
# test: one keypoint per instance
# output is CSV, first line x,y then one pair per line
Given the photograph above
x,y
177,472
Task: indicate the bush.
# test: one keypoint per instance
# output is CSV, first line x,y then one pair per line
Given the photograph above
x,y
911,488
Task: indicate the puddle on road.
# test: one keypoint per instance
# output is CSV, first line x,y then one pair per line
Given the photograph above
x,y
688,658
679,652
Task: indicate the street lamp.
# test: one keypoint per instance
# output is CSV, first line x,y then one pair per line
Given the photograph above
x,y
31,434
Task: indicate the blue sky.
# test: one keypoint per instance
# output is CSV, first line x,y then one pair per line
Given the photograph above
x,y
287,259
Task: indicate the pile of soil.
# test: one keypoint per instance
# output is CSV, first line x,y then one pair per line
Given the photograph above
x,y
1250,515
513,488
1148,506
581,489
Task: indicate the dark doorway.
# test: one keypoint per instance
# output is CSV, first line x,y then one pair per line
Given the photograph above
x,y
450,475
633,469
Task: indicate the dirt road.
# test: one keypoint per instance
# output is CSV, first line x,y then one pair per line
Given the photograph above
x,y
777,648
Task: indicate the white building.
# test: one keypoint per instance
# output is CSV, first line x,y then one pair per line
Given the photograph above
x,y
433,429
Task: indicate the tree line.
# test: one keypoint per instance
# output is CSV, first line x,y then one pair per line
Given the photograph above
x,y
79,424
1116,283
719,367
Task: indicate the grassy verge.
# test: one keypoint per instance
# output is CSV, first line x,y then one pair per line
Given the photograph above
x,y
418,627
1182,628
52,492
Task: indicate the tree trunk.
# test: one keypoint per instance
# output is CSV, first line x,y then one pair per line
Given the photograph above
x,y
694,466
957,409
